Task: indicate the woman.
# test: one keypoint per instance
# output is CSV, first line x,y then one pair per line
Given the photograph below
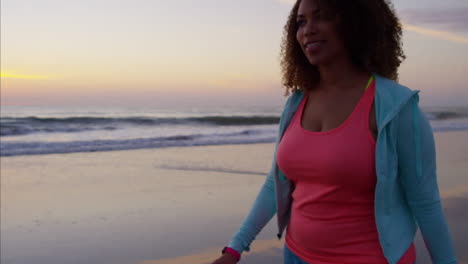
x,y
354,171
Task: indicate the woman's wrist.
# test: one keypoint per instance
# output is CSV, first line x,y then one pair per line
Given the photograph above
x,y
232,252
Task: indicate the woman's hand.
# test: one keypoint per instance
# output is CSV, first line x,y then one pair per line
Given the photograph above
x,y
225,259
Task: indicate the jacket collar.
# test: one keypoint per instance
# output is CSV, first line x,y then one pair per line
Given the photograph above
x,y
390,97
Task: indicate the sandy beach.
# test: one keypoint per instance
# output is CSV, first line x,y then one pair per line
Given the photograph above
x,y
165,206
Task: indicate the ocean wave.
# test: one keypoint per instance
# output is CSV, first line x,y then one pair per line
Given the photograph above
x,y
37,148
443,119
445,115
10,126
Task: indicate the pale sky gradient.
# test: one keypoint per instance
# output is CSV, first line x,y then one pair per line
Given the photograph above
x,y
56,52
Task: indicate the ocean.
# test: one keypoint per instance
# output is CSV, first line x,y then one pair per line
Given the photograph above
x,y
47,130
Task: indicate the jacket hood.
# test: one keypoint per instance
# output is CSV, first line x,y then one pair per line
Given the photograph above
x,y
390,98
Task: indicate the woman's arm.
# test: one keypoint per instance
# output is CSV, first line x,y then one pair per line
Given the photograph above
x,y
264,206
417,167
263,209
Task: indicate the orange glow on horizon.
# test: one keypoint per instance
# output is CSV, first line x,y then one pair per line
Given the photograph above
x,y
11,75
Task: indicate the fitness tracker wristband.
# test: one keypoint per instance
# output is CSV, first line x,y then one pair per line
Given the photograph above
x,y
231,252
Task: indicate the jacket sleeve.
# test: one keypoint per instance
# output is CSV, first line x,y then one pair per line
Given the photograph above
x,y
263,208
417,166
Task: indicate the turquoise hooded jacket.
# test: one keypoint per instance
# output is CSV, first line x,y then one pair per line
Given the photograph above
x,y
406,193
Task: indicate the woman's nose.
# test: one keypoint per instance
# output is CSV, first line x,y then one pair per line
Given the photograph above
x,y
310,28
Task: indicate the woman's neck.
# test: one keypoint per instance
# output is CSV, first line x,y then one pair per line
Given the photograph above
x,y
341,75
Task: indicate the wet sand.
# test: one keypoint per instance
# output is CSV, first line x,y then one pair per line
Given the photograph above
x,y
165,206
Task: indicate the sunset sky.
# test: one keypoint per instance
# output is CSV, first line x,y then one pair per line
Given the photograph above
x,y
56,52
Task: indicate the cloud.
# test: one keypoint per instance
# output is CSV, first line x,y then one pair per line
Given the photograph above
x,y
438,34
9,75
450,19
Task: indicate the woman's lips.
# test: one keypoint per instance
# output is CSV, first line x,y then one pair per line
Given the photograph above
x,y
313,46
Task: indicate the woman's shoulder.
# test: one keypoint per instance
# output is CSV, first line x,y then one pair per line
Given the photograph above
x,y
294,99
391,88
392,99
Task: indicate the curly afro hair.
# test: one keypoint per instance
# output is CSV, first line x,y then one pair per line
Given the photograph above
x,y
373,22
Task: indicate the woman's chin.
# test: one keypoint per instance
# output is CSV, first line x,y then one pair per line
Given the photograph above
x,y
315,63
318,61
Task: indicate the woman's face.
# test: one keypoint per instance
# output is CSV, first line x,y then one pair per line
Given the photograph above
x,y
317,34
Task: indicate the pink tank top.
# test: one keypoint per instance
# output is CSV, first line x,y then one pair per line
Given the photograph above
x,y
332,218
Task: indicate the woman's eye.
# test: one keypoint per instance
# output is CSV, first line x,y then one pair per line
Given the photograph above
x,y
300,22
317,15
